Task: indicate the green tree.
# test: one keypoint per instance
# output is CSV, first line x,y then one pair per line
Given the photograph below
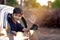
x,y
34,4
12,2
31,3
25,2
56,4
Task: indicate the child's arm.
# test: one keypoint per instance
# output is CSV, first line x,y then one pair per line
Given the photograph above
x,y
7,27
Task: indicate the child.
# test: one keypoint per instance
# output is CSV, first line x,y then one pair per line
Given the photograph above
x,y
13,23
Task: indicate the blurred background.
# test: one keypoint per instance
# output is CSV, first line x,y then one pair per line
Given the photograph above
x,y
46,14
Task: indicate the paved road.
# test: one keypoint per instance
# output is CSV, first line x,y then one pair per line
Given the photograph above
x,y
44,34
49,34
49,37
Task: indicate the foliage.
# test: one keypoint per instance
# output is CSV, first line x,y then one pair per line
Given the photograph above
x,y
56,4
31,3
12,2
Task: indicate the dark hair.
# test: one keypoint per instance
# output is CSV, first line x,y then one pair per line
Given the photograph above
x,y
17,10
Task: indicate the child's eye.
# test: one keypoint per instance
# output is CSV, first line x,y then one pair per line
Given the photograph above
x,y
15,15
19,15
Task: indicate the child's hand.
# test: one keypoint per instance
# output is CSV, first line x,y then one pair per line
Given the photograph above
x,y
25,30
14,33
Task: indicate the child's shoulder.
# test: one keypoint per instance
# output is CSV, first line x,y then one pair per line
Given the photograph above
x,y
9,15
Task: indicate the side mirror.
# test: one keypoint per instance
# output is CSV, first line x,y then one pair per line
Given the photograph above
x,y
34,27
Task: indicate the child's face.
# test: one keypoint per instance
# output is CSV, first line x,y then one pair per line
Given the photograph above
x,y
17,17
